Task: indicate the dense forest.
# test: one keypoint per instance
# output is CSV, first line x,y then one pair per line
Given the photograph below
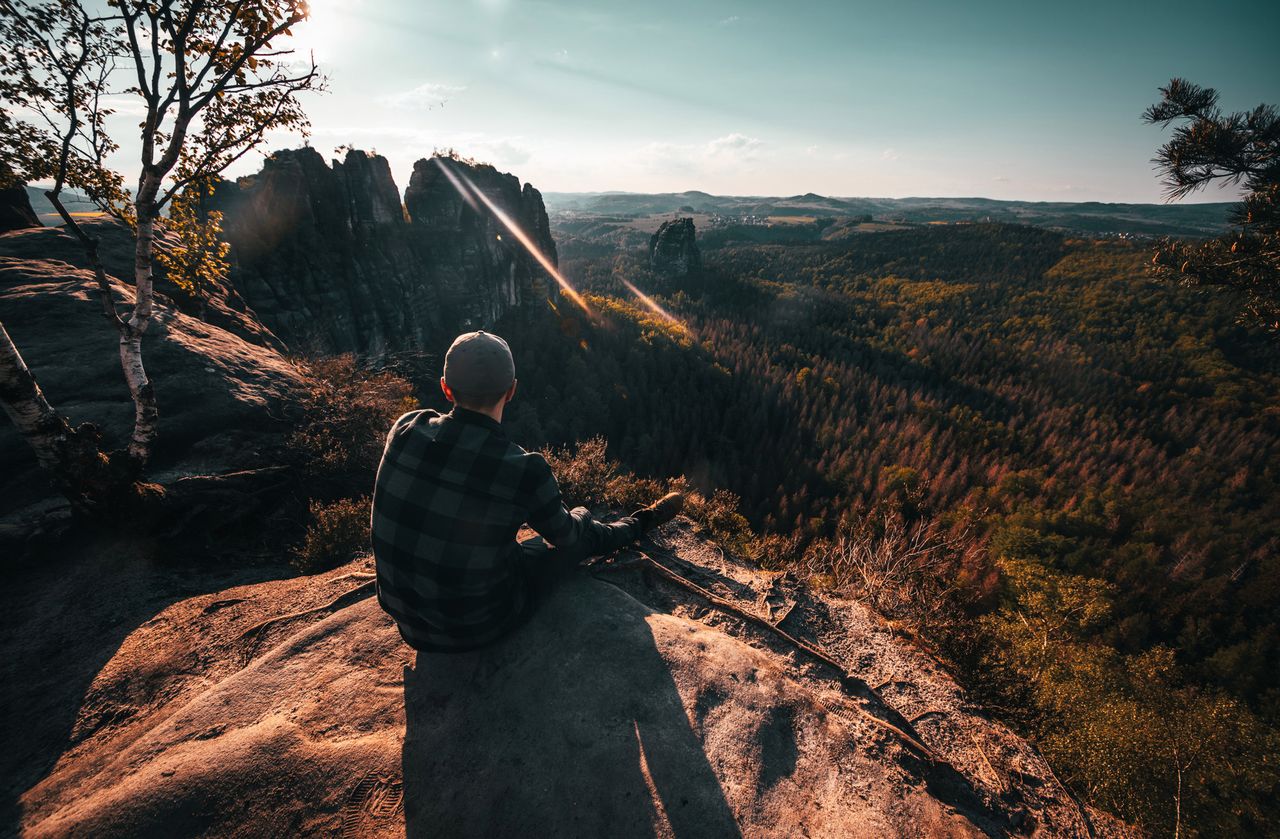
x,y
1108,445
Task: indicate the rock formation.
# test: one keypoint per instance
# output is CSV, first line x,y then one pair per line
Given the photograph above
x,y
221,383
330,261
480,269
673,250
15,204
236,707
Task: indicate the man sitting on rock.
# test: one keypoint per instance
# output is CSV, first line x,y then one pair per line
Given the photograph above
x,y
451,494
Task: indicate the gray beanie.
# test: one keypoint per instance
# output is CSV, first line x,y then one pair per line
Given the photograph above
x,y
479,366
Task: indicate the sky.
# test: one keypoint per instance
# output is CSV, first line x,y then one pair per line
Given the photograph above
x,y
1014,100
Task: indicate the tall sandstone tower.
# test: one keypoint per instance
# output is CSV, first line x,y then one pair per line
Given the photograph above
x,y
332,261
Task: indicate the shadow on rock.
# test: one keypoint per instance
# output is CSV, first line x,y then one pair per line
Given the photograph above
x,y
536,736
63,615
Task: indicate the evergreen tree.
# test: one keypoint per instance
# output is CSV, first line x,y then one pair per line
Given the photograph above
x,y
1237,148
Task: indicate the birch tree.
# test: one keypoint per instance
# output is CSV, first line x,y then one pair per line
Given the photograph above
x,y
210,82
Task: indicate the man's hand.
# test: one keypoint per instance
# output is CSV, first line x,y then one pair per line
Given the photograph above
x,y
660,512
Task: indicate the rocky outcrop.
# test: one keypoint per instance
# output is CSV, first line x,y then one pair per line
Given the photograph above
x,y
221,705
479,267
221,383
15,204
370,191
331,262
220,306
673,250
318,255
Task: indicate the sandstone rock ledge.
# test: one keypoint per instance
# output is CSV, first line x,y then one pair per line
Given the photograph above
x,y
222,382
626,708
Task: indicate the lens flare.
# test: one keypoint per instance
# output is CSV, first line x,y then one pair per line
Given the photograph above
x,y
653,306
467,189
458,185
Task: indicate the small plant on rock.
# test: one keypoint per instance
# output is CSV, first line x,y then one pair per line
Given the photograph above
x,y
337,534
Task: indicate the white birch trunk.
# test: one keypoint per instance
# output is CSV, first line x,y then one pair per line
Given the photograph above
x,y
146,413
24,402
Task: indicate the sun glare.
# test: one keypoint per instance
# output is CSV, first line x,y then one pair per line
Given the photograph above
x,y
321,34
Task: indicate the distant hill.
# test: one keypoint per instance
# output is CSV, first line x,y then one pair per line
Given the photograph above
x,y
75,202
1090,217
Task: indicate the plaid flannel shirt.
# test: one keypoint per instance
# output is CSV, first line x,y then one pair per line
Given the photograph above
x,y
450,496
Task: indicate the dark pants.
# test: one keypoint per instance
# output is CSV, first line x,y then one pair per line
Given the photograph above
x,y
545,565
542,563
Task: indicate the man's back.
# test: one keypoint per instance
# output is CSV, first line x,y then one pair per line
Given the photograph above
x,y
451,494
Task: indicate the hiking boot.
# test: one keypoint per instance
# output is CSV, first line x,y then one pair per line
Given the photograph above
x,y
660,512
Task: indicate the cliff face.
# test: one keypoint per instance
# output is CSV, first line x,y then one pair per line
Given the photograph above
x,y
477,264
330,262
673,250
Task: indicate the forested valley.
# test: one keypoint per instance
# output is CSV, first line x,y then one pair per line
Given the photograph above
x,y
1085,460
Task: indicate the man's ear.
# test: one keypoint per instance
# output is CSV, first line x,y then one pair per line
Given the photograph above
x,y
511,391
448,394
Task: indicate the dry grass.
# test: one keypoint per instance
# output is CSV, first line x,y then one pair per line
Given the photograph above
x,y
587,477
912,571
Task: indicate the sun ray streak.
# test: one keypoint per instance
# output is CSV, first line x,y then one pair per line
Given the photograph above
x,y
467,189
458,185
652,305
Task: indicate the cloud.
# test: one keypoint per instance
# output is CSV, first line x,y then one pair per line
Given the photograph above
x,y
1000,179
423,97
729,21
732,152
734,145
889,154
128,105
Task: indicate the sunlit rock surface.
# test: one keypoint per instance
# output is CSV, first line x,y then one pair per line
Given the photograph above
x,y
217,702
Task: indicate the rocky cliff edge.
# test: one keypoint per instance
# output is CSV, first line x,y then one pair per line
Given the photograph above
x,y
220,703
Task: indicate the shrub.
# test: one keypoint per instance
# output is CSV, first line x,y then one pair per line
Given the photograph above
x,y
583,472
776,551
589,478
347,411
719,514
339,531
918,571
